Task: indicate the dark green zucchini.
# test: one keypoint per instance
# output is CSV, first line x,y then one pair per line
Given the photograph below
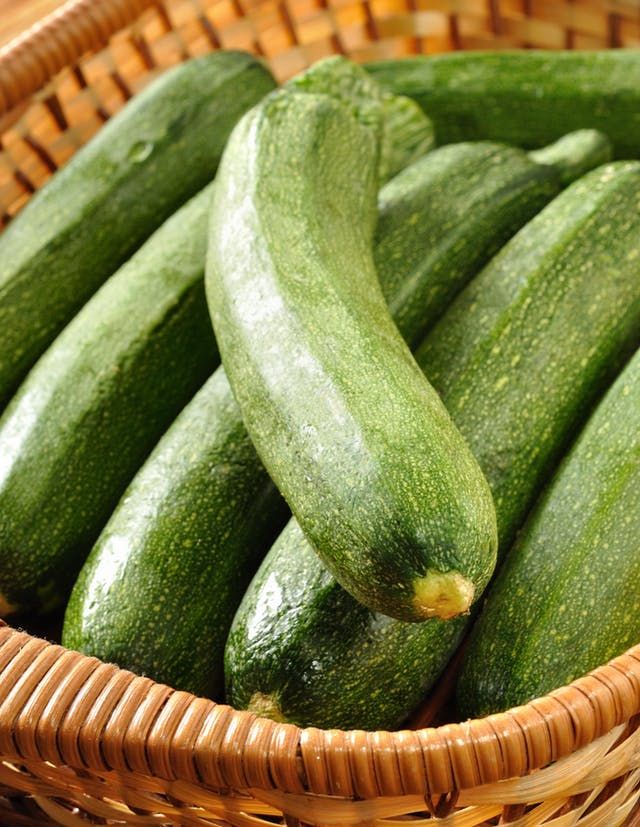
x,y
394,503
526,97
567,598
443,217
518,358
94,406
159,590
152,532
149,159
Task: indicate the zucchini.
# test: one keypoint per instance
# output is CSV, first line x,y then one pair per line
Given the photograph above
x,y
207,458
192,517
518,358
286,296
149,159
94,406
404,131
575,569
528,98
443,217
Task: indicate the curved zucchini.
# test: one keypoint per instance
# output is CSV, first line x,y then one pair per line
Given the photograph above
x,y
525,97
95,404
152,537
149,159
578,564
395,504
518,358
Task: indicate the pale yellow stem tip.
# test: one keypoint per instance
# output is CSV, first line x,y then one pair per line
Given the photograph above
x,y
442,594
266,706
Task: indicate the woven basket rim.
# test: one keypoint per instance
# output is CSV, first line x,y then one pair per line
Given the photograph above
x,y
546,729
543,731
30,60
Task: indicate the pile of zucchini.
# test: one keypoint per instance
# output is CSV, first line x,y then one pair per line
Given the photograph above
x,y
301,385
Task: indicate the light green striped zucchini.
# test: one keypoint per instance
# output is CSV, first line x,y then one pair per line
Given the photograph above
x,y
393,502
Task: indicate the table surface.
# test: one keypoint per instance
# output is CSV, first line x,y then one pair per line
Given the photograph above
x,y
18,15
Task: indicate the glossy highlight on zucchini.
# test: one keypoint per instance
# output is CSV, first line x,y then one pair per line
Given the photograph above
x,y
395,505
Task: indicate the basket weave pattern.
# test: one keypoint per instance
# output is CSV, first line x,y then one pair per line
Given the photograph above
x,y
84,742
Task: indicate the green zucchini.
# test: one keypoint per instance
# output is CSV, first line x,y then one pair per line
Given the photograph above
x,y
404,131
286,296
568,597
159,589
443,217
155,535
575,154
207,458
518,358
528,98
94,406
149,159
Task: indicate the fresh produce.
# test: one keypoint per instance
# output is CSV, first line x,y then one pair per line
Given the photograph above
x,y
94,406
395,503
540,333
518,358
156,535
404,130
202,509
443,217
158,592
575,154
526,97
568,597
156,153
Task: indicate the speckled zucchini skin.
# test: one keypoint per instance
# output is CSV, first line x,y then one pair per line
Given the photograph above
x,y
404,131
311,351
568,597
94,406
160,587
149,159
518,358
528,98
153,539
540,332
442,218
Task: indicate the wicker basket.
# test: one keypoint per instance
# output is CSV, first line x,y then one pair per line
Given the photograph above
x,y
84,742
